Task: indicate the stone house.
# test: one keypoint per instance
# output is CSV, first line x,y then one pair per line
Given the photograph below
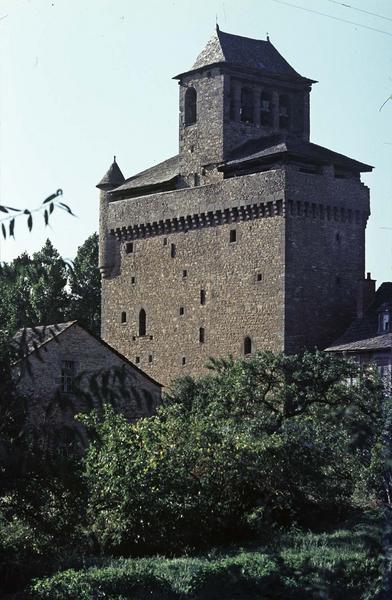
x,y
250,238
368,340
60,359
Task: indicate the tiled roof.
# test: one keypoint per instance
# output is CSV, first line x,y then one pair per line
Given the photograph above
x,y
263,148
362,333
244,52
162,173
113,177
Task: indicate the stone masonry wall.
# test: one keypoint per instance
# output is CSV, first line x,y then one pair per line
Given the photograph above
x,y
202,142
75,344
325,256
288,281
217,131
236,303
243,281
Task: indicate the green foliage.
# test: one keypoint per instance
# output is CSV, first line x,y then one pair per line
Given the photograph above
x,y
48,280
44,289
42,497
46,208
341,565
85,284
257,447
261,443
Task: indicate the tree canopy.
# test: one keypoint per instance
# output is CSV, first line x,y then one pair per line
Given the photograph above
x,y
44,289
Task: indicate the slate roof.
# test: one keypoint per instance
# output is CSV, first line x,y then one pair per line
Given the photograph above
x,y
362,333
280,145
247,53
164,172
380,342
113,177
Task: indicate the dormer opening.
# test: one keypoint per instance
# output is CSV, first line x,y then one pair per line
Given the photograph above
x,y
265,110
247,105
190,106
384,319
284,112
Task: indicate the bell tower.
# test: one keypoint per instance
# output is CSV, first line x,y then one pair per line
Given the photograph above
x,y
238,90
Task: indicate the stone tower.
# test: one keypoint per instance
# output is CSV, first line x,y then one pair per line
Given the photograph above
x,y
250,238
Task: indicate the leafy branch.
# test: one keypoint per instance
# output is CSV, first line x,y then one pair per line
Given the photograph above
x,y
47,207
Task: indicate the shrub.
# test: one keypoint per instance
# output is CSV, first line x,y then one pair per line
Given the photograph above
x,y
298,566
262,444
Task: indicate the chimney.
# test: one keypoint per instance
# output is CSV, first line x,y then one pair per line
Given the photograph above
x,y
366,293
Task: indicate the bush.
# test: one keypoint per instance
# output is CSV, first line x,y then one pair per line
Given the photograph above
x,y
298,566
109,583
262,444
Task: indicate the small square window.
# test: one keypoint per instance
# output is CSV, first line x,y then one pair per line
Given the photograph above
x,y
259,277
173,251
129,247
202,297
123,317
182,310
184,274
233,235
183,362
133,280
137,360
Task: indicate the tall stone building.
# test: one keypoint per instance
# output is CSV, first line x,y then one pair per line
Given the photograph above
x,y
251,238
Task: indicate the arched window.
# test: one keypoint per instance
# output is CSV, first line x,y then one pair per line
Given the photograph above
x,y
142,322
284,116
246,105
265,110
247,346
190,106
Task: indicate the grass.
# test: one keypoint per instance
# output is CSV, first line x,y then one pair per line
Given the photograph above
x,y
341,564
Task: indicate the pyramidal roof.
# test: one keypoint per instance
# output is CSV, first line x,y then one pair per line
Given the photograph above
x,y
113,177
244,52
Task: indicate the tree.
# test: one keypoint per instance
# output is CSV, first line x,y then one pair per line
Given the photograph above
x,y
48,281
85,284
261,443
15,289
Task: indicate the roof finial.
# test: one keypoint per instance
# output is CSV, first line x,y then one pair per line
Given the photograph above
x,y
114,158
216,23
268,37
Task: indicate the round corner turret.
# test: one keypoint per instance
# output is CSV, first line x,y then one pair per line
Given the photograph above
x,y
112,178
107,244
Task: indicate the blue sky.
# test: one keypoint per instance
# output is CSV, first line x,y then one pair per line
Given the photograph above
x,y
82,80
